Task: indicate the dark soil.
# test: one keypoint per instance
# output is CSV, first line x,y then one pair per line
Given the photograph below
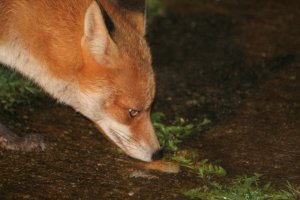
x,y
234,62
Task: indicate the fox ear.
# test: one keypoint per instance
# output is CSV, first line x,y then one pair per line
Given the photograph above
x,y
96,37
135,12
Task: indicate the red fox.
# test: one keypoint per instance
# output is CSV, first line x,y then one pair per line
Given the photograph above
x,y
91,55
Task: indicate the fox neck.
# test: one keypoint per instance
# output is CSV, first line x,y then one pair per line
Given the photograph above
x,y
17,57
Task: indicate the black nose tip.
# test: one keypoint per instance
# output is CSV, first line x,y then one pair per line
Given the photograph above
x,y
158,155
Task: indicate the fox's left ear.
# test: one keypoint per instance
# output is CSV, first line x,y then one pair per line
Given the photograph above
x,y
96,38
135,13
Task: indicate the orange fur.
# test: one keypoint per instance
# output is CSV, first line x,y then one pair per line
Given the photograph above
x,y
99,74
53,21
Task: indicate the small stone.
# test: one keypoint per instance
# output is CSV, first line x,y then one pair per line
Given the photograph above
x,y
142,174
131,194
192,103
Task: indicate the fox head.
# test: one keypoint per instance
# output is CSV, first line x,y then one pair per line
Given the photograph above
x,y
117,83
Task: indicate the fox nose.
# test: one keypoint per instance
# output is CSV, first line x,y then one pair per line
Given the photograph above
x,y
157,155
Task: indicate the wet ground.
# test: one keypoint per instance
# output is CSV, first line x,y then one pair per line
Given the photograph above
x,y
236,63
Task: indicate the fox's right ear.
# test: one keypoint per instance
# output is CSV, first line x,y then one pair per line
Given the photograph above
x,y
96,37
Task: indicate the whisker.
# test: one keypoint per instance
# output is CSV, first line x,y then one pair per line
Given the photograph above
x,y
129,140
130,137
126,140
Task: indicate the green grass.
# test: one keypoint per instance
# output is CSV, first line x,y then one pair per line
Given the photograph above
x,y
15,89
239,188
243,188
203,169
170,136
154,8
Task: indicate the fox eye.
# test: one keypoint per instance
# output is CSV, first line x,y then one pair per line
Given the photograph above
x,y
133,112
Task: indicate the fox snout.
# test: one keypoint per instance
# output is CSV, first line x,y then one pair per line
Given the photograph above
x,y
137,139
